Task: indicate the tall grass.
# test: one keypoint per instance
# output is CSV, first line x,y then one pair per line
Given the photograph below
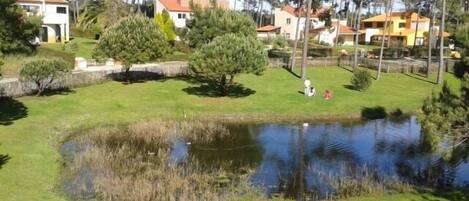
x,y
131,163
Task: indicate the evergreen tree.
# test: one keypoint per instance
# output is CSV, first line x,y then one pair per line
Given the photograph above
x,y
17,29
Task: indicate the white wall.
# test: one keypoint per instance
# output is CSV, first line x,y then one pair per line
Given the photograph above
x,y
370,32
51,18
179,23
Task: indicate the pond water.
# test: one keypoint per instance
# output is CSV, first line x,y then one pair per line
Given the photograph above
x,y
293,158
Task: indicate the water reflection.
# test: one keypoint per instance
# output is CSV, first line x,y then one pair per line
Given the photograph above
x,y
293,159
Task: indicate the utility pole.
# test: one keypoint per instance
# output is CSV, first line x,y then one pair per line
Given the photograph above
x,y
306,40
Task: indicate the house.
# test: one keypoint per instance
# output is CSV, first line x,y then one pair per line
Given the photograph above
x,y
55,18
401,28
267,32
287,17
179,10
328,34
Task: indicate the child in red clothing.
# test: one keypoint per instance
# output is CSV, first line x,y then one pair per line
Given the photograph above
x,y
327,95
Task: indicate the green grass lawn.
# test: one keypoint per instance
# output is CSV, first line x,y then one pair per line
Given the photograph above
x,y
85,47
35,126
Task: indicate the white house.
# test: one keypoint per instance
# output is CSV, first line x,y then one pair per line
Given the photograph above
x,y
55,18
287,18
179,10
328,34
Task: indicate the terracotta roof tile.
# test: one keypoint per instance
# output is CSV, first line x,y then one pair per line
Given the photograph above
x,y
267,28
293,11
173,5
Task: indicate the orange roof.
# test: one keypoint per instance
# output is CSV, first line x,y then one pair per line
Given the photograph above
x,y
40,1
267,28
397,16
293,11
173,5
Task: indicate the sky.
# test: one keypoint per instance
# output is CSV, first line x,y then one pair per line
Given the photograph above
x,y
398,5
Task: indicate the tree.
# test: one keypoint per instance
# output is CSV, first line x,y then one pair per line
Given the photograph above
x,y
387,10
360,4
101,14
442,30
135,39
227,56
297,30
361,79
166,24
212,22
17,29
43,73
446,114
304,57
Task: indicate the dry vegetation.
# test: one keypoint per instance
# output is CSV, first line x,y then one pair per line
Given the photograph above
x,y
131,163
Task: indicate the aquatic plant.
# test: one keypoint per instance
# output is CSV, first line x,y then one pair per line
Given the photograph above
x,y
131,163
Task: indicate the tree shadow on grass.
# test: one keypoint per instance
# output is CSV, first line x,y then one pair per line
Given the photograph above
x,y
4,158
206,90
136,76
419,77
371,113
11,110
63,91
350,87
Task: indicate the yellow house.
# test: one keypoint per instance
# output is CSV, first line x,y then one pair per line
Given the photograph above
x,y
401,28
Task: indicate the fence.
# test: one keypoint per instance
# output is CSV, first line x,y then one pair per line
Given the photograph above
x,y
14,87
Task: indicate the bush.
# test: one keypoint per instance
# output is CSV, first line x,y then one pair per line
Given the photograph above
x,y
279,42
461,67
274,53
227,56
361,80
320,52
70,47
135,39
45,52
43,73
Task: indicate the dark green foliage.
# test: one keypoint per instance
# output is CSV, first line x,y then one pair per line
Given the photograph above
x,y
166,25
377,112
279,42
320,52
361,79
445,114
462,67
1,64
133,40
210,23
227,56
16,29
43,73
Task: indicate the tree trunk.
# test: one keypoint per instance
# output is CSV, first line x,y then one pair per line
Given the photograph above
x,y
442,30
391,24
337,33
416,30
386,10
430,40
355,58
306,40
295,45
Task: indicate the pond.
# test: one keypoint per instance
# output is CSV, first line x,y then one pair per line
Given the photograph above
x,y
299,159
289,158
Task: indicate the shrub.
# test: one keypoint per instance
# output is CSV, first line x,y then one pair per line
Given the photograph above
x,y
279,42
361,79
1,64
166,25
209,23
43,73
70,47
135,39
219,61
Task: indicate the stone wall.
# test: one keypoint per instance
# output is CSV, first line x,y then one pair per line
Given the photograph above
x,y
95,75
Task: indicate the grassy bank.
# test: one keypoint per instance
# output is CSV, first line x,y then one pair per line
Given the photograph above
x,y
32,127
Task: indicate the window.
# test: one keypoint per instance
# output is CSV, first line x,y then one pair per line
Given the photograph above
x,y
368,24
380,24
62,10
181,16
288,21
287,35
402,25
31,9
